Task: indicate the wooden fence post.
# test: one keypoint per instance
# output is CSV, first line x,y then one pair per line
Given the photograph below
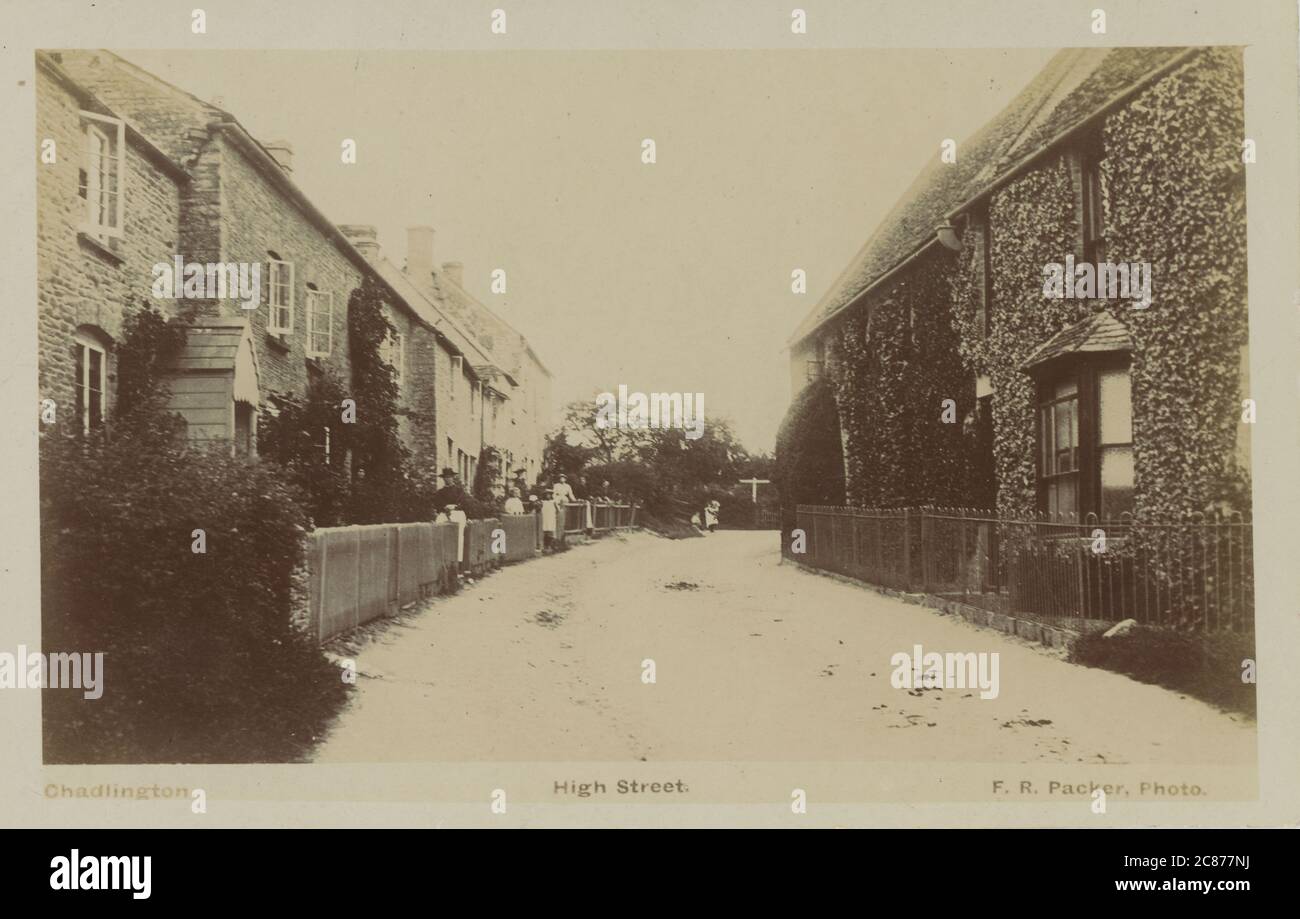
x,y
907,548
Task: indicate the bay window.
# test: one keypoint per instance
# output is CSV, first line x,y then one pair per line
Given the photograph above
x,y
1085,438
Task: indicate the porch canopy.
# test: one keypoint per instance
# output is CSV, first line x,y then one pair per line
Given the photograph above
x,y
1099,333
213,372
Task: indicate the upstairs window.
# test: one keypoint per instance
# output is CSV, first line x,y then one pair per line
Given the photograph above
x,y
100,177
320,322
457,371
1092,216
279,295
393,352
983,235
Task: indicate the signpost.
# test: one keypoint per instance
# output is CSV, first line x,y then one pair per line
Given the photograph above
x,y
753,486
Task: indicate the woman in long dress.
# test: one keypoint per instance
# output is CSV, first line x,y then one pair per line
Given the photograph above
x,y
711,515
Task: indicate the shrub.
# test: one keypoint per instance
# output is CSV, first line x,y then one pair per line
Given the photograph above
x,y
201,661
1207,666
307,439
809,467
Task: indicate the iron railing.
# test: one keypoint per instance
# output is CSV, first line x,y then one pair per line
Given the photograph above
x,y
1195,573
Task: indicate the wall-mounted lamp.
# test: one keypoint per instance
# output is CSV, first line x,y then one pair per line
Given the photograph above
x,y
947,234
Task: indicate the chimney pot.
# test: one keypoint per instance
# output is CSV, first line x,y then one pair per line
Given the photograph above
x,y
455,271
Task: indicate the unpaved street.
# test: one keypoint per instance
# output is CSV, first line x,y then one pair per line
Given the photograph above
x,y
755,661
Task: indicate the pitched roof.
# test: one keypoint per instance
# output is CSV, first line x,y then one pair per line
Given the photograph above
x,y
1097,333
181,124
211,344
1076,85
86,98
507,351
219,345
429,312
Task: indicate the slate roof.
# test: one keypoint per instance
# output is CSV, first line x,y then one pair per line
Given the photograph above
x,y
431,314
507,350
180,124
1099,332
1075,85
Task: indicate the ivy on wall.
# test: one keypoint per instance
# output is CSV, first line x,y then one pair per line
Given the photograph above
x,y
1174,198
1033,223
893,365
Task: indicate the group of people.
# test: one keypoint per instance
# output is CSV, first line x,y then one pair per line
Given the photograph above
x,y
452,497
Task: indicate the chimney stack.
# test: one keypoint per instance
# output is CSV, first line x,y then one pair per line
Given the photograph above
x,y
419,255
282,152
364,238
455,271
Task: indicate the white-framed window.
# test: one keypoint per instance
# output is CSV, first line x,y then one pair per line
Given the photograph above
x,y
100,180
320,322
90,385
457,371
279,295
393,351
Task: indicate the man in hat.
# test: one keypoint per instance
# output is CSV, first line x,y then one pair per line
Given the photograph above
x,y
451,491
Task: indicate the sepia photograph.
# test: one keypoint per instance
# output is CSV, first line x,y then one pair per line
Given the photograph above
x,y
528,429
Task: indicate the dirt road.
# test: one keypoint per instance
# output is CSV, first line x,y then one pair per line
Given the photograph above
x,y
754,660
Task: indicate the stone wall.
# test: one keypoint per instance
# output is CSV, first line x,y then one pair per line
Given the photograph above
x,y
79,282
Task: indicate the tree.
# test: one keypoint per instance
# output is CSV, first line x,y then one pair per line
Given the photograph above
x,y
668,473
378,457
809,465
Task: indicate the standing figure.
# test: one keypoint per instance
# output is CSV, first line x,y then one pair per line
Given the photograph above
x,y
563,491
451,491
549,519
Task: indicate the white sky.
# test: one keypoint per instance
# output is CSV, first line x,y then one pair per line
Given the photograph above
x,y
667,278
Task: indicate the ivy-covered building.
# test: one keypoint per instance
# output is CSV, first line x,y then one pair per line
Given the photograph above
x,y
961,378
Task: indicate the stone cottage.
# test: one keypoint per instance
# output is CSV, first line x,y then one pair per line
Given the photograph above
x,y
148,174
